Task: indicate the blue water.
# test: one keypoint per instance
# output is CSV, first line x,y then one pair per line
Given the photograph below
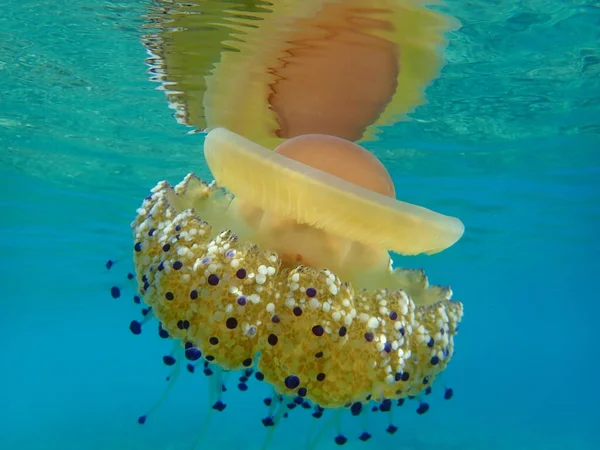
x,y
509,142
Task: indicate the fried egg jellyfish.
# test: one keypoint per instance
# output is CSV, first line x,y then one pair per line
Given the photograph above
x,y
280,268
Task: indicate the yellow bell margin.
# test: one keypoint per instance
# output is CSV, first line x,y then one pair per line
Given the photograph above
x,y
216,63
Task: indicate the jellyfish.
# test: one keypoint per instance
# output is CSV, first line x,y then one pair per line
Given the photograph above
x,y
281,267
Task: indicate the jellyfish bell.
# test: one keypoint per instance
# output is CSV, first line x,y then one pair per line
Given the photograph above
x,y
324,202
301,243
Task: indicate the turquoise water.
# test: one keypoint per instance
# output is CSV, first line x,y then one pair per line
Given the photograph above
x,y
508,141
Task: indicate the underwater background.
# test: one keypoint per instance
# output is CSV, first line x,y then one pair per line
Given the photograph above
x,y
508,141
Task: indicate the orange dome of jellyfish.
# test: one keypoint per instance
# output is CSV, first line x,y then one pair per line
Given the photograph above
x,y
281,266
